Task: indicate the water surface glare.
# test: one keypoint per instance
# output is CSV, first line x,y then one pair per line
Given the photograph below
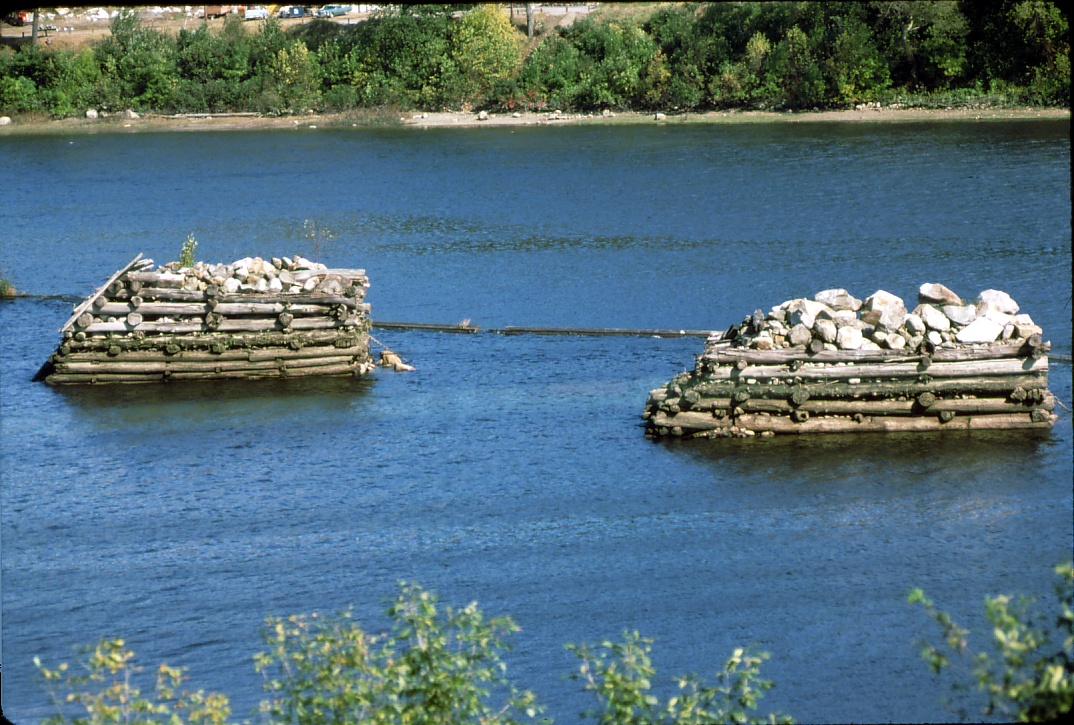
x,y
513,470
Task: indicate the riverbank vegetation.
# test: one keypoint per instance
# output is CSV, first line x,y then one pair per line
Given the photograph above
x,y
681,56
440,665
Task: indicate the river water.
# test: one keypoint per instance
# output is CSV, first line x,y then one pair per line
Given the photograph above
x,y
513,470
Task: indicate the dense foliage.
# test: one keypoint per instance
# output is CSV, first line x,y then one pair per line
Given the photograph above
x,y
782,55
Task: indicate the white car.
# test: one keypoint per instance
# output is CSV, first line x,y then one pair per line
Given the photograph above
x,y
257,12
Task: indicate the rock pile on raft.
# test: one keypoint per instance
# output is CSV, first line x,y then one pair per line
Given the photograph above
x,y
836,363
253,318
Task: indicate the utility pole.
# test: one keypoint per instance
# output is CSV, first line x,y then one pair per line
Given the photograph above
x,y
529,20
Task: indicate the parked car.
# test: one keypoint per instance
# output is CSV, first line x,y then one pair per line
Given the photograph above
x,y
256,12
291,11
333,11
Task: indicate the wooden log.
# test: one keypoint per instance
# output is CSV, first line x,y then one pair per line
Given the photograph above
x,y
907,388
962,406
80,379
181,295
191,366
226,325
88,302
223,308
134,319
347,369
730,355
268,339
695,421
157,279
908,369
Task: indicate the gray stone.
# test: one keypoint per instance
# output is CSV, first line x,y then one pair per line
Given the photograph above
x,y
5,120
998,299
310,285
934,337
933,318
884,310
915,324
231,285
1023,319
803,311
91,114
849,338
762,341
275,285
825,329
879,337
981,329
286,276
838,299
130,113
1008,332
1023,330
895,342
660,116
799,335
483,116
987,309
936,292
869,345
960,314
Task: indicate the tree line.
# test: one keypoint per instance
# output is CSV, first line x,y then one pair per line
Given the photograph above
x,y
747,55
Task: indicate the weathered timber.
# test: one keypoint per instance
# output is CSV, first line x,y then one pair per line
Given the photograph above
x,y
157,279
1004,366
256,340
191,366
126,378
222,308
88,302
251,354
906,388
689,421
181,295
727,355
873,407
232,325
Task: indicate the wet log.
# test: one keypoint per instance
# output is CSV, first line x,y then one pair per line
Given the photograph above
x,y
268,339
729,356
347,369
193,366
909,369
249,354
962,406
948,387
698,421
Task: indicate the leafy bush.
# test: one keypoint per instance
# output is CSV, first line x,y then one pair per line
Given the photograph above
x,y
107,694
436,666
620,675
1031,678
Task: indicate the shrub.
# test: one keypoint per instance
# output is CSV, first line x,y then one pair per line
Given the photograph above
x,y
1031,678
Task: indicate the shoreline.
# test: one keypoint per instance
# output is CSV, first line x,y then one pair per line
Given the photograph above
x,y
120,123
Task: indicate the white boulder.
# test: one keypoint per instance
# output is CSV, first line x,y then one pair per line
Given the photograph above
x,y
838,299
884,310
938,293
960,314
981,329
998,300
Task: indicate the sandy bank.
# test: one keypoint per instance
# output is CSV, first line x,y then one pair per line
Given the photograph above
x,y
119,123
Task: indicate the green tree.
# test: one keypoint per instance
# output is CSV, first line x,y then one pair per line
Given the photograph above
x,y
1031,678
436,665
795,71
104,685
486,50
620,675
297,78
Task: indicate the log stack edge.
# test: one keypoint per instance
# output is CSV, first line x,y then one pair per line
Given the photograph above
x,y
837,364
253,318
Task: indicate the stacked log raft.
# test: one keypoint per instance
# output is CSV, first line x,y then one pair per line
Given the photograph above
x,y
253,318
835,364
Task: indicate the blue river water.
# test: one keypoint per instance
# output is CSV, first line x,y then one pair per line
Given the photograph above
x,y
513,470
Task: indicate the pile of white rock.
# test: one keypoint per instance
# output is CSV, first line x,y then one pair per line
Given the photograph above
x,y
836,320
282,275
